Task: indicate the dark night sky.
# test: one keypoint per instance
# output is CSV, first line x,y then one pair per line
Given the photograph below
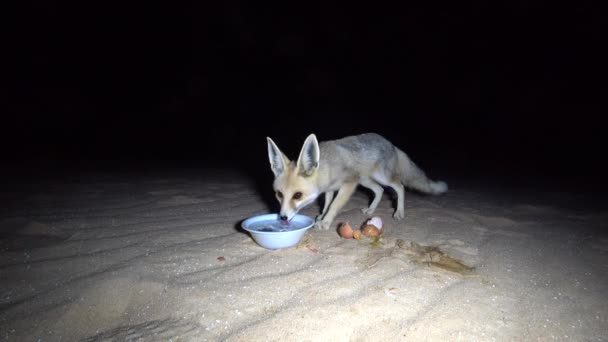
x,y
476,86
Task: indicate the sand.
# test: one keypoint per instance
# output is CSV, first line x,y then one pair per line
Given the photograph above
x,y
161,257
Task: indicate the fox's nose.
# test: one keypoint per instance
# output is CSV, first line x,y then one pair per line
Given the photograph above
x,y
283,217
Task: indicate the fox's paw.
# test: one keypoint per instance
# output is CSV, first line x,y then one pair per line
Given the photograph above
x,y
321,225
367,211
398,215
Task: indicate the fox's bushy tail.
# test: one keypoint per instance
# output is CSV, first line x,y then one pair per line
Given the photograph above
x,y
413,177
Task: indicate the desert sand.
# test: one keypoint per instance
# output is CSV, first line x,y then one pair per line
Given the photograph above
x,y
161,257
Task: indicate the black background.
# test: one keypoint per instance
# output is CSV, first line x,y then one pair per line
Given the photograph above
x,y
513,89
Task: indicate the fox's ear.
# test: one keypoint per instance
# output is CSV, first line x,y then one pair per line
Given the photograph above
x,y
308,161
278,161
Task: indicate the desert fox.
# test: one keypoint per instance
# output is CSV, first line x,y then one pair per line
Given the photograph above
x,y
340,165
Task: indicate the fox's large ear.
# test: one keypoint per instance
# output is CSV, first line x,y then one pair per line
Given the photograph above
x,y
308,161
278,161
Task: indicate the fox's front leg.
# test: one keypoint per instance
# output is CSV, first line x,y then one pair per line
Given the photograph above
x,y
346,190
329,195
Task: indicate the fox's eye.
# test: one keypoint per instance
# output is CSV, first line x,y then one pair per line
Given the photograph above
x,y
297,195
279,194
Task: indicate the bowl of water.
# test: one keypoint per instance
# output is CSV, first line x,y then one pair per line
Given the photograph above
x,y
272,233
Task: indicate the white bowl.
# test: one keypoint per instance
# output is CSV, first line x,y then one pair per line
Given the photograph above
x,y
268,231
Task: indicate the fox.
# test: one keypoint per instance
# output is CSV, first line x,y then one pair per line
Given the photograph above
x,y
340,166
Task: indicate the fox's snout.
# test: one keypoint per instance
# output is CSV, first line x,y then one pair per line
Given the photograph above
x,y
292,203
287,211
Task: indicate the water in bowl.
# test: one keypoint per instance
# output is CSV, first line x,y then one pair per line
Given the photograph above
x,y
276,226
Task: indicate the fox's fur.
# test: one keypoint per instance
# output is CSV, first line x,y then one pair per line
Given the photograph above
x,y
340,165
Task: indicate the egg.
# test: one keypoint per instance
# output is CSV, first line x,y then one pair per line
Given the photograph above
x,y
357,234
346,231
370,230
376,221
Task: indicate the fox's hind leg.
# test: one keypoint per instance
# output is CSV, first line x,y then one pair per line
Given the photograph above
x,y
394,183
400,211
378,191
